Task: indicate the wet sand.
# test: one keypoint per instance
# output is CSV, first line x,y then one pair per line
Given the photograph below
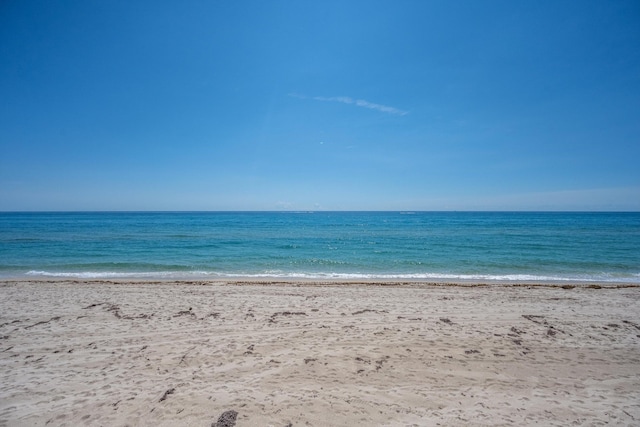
x,y
317,354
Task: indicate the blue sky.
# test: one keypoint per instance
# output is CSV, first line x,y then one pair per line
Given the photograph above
x,y
337,105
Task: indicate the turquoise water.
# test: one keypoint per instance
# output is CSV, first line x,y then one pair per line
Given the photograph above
x,y
323,245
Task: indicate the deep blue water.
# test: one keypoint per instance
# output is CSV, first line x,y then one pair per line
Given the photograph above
x,y
394,245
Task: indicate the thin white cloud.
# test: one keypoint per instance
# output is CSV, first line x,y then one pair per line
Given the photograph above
x,y
356,102
284,205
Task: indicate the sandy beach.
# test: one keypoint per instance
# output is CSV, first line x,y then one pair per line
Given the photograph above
x,y
101,353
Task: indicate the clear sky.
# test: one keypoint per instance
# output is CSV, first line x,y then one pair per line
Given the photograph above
x,y
310,105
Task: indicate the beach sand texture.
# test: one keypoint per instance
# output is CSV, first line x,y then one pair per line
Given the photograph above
x,y
172,354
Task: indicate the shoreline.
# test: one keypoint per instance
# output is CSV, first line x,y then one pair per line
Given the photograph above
x,y
267,281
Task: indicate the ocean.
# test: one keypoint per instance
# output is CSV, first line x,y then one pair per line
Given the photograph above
x,y
492,246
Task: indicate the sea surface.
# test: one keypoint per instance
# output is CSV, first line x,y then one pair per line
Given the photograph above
x,y
512,246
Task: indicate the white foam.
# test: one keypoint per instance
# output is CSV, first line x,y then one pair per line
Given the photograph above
x,y
278,274
116,274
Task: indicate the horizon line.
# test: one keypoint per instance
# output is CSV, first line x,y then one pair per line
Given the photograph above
x,y
326,210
